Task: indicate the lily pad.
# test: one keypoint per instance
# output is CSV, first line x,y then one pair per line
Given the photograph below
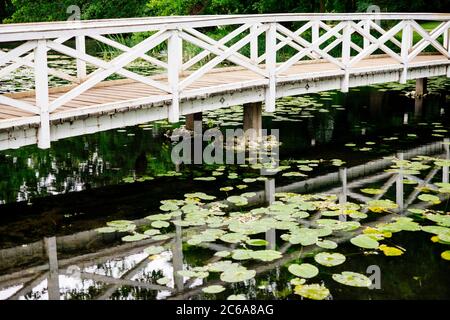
x,y
213,289
237,275
163,281
237,297
365,241
256,242
328,259
390,251
154,250
304,270
429,198
312,291
352,279
445,255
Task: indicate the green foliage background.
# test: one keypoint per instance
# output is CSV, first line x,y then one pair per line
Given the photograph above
x,y
51,10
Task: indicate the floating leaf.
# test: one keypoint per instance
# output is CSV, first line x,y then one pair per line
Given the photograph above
x,y
152,232
237,275
163,281
326,244
390,251
372,191
222,254
352,279
266,255
429,198
234,237
256,242
445,255
154,250
134,237
160,224
304,270
328,259
106,230
364,241
312,291
237,297
213,289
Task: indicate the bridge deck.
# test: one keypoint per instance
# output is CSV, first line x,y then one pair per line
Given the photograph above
x,y
224,79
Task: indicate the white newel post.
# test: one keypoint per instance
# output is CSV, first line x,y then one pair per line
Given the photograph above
x,y
80,45
254,44
406,47
346,40
175,62
271,64
41,87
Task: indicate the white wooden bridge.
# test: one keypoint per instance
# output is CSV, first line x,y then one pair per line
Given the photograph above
x,y
244,66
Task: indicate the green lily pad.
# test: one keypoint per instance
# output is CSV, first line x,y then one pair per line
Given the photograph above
x,y
160,224
352,279
237,297
326,244
134,237
163,281
429,198
445,255
266,255
256,242
304,270
213,289
328,259
237,275
312,291
365,241
106,230
154,250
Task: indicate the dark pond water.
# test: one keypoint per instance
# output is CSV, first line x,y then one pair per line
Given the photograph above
x,y
115,179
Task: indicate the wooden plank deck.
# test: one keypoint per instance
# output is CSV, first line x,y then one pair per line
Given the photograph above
x,y
121,91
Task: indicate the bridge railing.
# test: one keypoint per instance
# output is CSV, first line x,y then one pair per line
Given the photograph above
x,y
251,42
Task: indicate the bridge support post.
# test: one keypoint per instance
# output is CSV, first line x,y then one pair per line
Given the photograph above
x,y
421,87
175,62
271,64
192,118
253,120
42,99
447,46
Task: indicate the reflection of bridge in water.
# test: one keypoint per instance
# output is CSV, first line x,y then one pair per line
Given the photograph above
x,y
72,268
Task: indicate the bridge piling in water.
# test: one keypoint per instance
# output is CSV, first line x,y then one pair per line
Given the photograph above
x,y
421,87
192,118
253,120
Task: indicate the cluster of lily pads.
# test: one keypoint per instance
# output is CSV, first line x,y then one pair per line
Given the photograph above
x,y
303,220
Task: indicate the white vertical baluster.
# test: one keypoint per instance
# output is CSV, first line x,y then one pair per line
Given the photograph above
x,y
271,64
366,29
175,61
315,34
406,47
346,40
399,185
41,87
80,45
447,46
254,44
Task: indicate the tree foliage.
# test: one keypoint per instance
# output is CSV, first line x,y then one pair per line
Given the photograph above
x,y
51,10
